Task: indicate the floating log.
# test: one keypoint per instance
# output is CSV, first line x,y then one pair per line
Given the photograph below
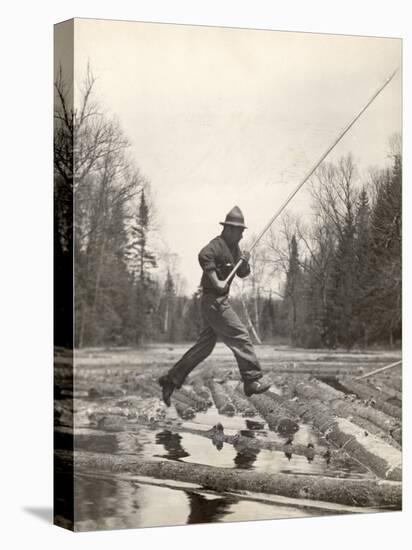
x,y
106,390
185,405
131,408
276,415
144,384
97,410
130,401
370,450
183,410
310,506
374,397
371,428
391,387
222,400
380,457
310,370
199,403
306,368
353,492
201,390
243,405
344,407
111,423
373,358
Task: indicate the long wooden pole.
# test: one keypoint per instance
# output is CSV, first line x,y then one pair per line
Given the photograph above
x,y
378,370
310,173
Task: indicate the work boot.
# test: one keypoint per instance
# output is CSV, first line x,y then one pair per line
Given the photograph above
x,y
167,389
254,387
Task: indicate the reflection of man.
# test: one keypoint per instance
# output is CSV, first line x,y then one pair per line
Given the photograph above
x,y
219,319
171,442
206,510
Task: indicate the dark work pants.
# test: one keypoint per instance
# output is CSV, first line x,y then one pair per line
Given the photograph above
x,y
219,322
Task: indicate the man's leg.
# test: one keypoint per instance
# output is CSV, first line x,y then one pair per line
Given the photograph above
x,y
229,328
195,355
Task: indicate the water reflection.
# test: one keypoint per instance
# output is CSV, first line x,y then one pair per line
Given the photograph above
x,y
211,417
95,498
218,443
172,444
246,458
207,509
113,503
327,456
310,452
289,448
195,449
218,436
116,502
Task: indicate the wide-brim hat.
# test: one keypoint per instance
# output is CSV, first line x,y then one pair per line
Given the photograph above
x,y
235,218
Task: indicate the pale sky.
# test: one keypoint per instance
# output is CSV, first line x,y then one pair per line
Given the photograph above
x,y
219,117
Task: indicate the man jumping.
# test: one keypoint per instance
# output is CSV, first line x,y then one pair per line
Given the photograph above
x,y
217,259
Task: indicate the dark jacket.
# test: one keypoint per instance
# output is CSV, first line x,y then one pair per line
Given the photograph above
x,y
219,257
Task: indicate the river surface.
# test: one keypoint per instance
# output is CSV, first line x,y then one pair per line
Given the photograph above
x,y
116,501
120,500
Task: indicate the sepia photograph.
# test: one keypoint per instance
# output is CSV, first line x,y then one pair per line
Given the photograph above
x,y
227,274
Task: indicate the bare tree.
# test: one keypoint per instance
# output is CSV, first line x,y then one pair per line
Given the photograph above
x,y
92,160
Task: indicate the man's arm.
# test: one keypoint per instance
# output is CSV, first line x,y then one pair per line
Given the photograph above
x,y
244,268
208,260
218,285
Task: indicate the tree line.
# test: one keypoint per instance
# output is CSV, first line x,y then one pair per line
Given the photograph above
x,y
126,287
342,270
335,281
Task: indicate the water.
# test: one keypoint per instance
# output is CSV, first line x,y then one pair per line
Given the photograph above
x,y
211,417
196,449
115,501
164,444
119,502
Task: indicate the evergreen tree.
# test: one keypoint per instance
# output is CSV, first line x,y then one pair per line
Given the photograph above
x,y
268,324
343,284
292,292
142,261
312,331
361,268
140,258
385,293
